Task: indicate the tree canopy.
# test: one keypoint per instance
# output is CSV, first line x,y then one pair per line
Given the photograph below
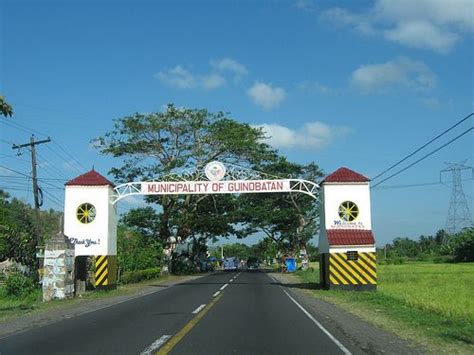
x,y
159,145
17,229
5,108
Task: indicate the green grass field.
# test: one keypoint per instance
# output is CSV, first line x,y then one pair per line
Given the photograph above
x,y
432,304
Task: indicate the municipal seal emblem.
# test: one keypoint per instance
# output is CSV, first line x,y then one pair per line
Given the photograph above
x,y
215,170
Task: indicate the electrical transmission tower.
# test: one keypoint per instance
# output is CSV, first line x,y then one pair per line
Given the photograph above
x,y
459,216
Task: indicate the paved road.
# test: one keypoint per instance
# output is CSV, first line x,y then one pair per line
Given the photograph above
x,y
222,313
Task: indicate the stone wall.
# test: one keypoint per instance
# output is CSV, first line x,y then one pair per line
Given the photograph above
x,y
58,280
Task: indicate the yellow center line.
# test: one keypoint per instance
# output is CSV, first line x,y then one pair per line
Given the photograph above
x,y
187,328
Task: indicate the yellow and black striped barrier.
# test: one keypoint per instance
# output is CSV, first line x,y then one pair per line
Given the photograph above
x,y
105,271
352,271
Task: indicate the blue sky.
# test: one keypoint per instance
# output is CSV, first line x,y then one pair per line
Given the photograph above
x,y
341,83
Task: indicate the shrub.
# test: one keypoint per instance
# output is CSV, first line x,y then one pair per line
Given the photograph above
x,y
140,275
19,285
442,259
136,252
395,261
461,246
464,246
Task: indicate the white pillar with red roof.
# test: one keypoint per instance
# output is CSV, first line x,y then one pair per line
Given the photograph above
x,y
90,223
346,241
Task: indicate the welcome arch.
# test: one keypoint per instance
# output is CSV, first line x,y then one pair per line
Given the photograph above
x,y
234,179
90,215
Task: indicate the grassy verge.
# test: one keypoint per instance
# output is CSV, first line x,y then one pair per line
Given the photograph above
x,y
12,307
432,304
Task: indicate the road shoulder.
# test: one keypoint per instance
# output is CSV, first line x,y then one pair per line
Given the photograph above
x,y
363,335
64,310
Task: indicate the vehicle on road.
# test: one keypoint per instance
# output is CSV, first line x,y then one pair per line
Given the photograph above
x,y
252,263
231,263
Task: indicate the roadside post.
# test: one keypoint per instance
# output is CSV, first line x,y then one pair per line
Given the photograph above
x,y
346,242
90,222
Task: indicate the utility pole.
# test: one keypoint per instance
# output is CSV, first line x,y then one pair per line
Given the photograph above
x,y
36,190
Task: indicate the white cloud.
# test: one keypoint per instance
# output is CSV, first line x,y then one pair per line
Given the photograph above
x,y
181,78
457,13
427,24
422,34
228,64
177,77
430,102
392,75
343,18
212,81
231,66
266,96
306,5
313,135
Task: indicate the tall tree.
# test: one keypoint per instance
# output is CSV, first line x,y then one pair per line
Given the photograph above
x,y
17,240
157,145
145,221
289,219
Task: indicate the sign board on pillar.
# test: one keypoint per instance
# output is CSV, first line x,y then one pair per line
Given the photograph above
x,y
90,218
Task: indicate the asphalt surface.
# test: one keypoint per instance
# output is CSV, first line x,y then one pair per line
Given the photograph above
x,y
222,313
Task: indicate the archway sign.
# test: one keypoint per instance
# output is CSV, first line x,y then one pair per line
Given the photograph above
x,y
346,241
216,178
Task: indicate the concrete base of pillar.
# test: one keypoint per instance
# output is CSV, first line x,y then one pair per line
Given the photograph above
x,y
353,287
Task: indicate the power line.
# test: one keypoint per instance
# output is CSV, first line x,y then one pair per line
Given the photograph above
x,y
70,156
14,188
388,187
26,184
423,146
29,130
41,179
28,176
16,156
7,142
55,199
14,171
23,128
52,168
65,160
424,157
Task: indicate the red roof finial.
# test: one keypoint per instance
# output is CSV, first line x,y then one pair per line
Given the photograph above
x,y
345,175
91,178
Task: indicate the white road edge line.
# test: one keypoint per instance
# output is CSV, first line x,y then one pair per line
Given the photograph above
x,y
223,287
197,310
231,280
320,326
216,294
155,345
